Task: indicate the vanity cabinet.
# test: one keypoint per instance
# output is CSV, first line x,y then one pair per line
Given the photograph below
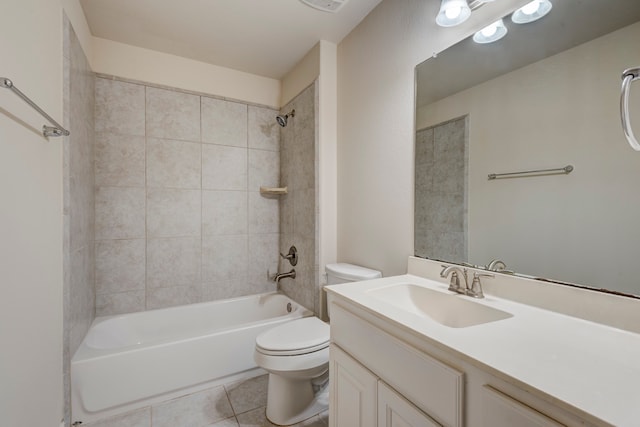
x,y
361,399
396,411
355,387
384,376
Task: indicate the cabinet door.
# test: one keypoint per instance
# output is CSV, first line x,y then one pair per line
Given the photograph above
x,y
501,410
396,411
353,392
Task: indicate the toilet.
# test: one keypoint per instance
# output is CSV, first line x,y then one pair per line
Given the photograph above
x,y
296,355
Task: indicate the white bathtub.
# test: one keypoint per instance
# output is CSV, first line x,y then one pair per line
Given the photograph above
x,y
130,361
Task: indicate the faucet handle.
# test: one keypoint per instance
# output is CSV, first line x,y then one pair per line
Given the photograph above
x,y
476,286
292,256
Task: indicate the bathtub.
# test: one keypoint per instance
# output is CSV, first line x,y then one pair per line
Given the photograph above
x,y
130,361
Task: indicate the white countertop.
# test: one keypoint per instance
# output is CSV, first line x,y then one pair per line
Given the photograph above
x,y
586,365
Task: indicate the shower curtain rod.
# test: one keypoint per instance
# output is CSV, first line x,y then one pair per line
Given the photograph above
x,y
47,131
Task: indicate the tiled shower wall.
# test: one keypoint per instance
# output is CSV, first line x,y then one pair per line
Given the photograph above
x,y
78,181
299,208
441,191
179,216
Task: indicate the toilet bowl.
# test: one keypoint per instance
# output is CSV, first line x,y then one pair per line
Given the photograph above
x,y
296,355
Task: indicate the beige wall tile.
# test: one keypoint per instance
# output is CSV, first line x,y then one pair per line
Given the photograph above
x,y
198,409
172,114
263,258
224,122
264,169
304,213
120,213
173,213
224,168
173,262
264,131
224,212
224,259
173,164
120,265
120,160
232,288
81,210
173,296
120,303
286,213
81,294
263,214
120,107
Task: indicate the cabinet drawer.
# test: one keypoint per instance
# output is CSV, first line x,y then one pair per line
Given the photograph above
x,y
432,386
501,410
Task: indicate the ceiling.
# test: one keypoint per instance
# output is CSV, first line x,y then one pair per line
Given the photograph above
x,y
263,37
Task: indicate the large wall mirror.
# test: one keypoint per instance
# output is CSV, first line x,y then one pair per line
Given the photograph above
x,y
545,96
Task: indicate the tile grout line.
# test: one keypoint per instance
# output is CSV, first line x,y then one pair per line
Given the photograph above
x,y
146,196
200,273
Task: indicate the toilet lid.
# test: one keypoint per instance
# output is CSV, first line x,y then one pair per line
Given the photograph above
x,y
298,336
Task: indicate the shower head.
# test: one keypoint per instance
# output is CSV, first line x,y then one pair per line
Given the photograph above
x,y
282,119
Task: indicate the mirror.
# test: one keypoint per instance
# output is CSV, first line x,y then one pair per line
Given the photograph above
x,y
544,97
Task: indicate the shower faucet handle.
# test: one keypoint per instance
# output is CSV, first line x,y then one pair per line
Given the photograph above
x,y
292,256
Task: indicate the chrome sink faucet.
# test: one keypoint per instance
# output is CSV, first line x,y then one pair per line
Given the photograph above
x,y
474,291
456,273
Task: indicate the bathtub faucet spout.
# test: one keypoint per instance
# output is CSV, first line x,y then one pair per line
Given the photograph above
x,y
292,274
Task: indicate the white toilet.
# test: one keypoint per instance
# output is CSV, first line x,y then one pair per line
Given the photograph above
x,y
296,355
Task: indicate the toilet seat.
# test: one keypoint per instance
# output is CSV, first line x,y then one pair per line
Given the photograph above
x,y
298,337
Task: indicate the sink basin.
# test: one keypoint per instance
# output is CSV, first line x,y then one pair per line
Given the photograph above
x,y
450,310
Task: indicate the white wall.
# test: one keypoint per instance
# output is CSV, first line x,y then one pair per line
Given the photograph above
x,y
305,72
376,125
558,111
327,155
159,68
31,217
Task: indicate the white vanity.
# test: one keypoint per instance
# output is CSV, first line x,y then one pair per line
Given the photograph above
x,y
528,354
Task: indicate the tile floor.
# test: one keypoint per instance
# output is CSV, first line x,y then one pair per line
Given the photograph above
x,y
238,404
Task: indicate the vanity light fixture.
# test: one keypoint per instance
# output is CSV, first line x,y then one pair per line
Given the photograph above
x,y
491,33
531,11
453,12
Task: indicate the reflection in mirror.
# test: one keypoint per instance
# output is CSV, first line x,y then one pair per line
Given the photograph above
x,y
545,96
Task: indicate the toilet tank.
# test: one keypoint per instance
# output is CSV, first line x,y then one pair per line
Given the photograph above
x,y
343,273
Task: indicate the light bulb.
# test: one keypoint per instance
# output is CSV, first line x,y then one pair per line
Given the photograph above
x,y
531,8
531,11
453,12
491,33
490,30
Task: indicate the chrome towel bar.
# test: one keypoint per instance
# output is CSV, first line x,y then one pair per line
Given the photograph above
x,y
47,131
565,170
628,76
